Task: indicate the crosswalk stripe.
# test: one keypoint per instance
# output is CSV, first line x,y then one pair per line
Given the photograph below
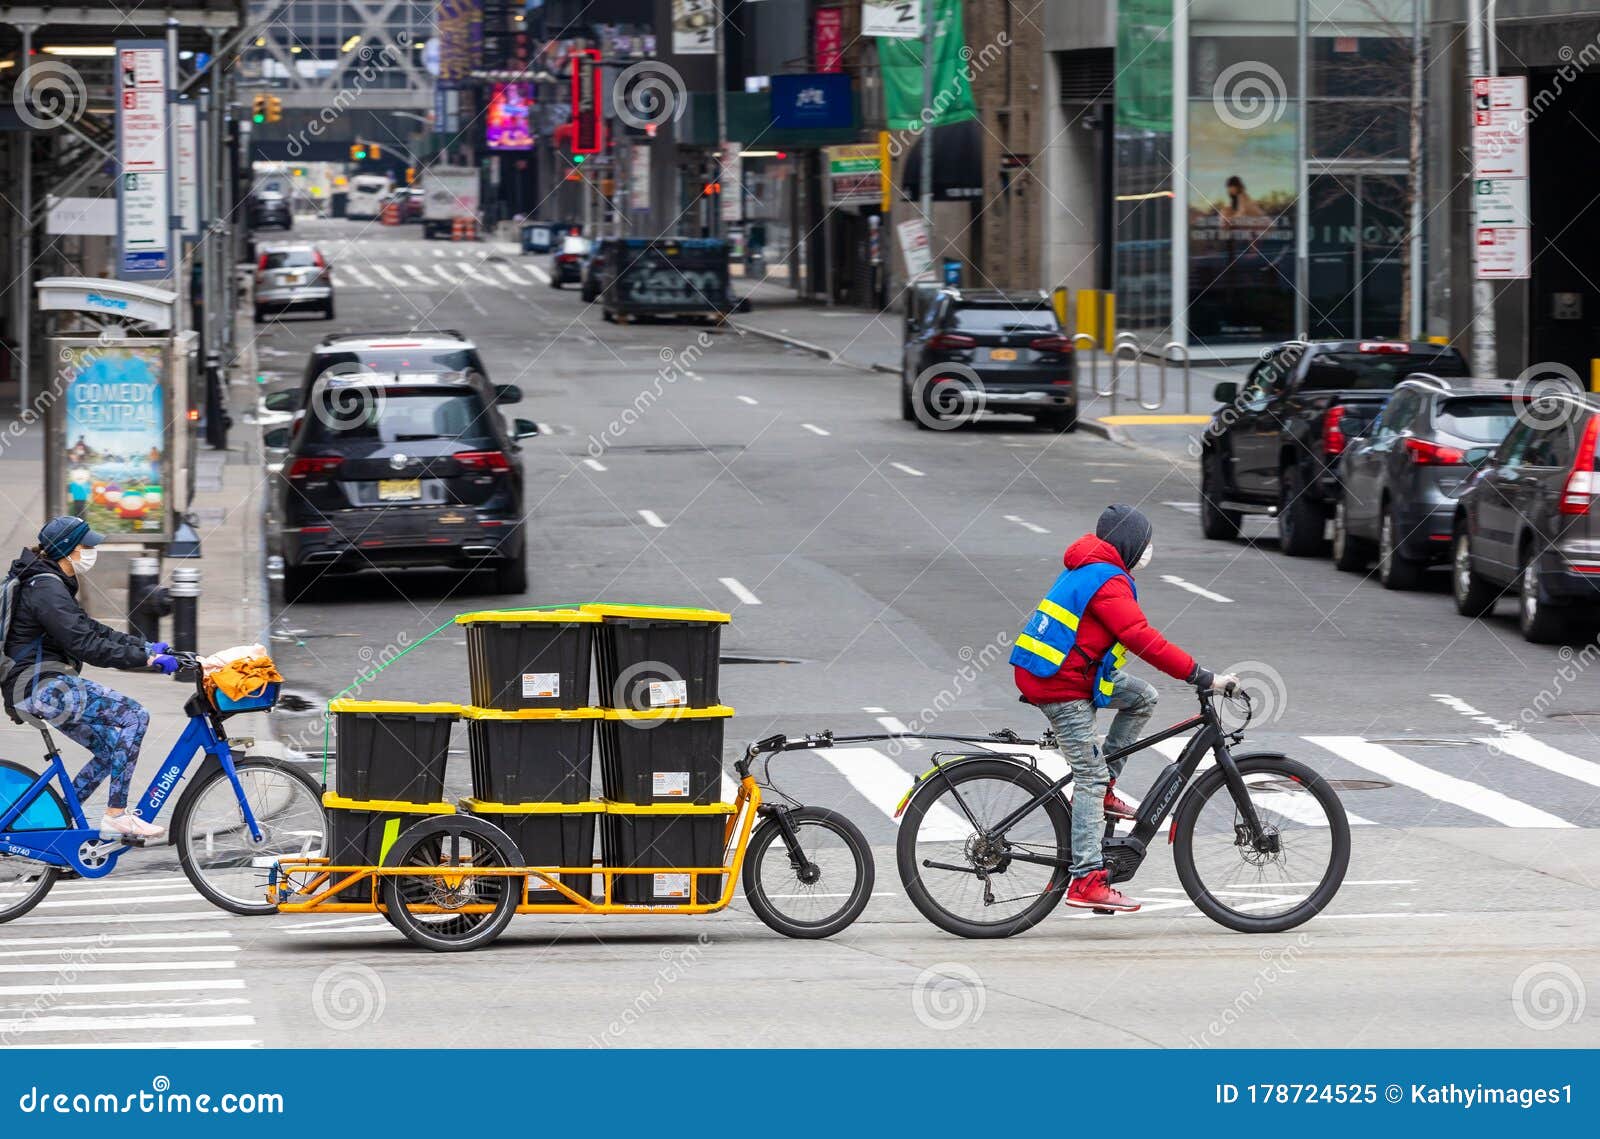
x,y
448,273
883,783
538,274
1448,788
356,276
112,950
120,900
389,275
141,1045
1290,806
419,274
505,271
110,938
128,919
123,1023
477,274
1541,754
118,966
141,986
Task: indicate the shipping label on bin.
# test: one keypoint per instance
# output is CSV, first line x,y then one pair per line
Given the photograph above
x,y
669,693
541,685
672,886
669,784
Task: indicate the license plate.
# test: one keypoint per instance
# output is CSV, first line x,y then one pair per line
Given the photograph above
x,y
1002,353
398,490
294,278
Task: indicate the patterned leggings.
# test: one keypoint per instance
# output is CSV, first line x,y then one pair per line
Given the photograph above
x,y
109,724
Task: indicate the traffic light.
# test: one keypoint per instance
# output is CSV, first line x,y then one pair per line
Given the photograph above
x,y
577,159
711,189
274,108
375,151
258,109
358,152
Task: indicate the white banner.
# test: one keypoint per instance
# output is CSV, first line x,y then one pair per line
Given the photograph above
x,y
896,19
144,201
731,200
639,179
913,234
189,168
694,27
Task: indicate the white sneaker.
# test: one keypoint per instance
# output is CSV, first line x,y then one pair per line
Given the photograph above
x,y
126,825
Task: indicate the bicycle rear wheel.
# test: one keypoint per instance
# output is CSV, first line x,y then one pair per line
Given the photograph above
x,y
24,882
963,878
449,912
215,848
820,892
1276,884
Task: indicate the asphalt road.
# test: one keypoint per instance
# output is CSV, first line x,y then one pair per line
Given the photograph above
x,y
871,567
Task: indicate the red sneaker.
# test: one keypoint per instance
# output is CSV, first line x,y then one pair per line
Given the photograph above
x,y
1094,892
1116,806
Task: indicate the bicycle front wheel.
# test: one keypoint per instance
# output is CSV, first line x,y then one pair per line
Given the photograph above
x,y
963,877
816,890
227,865
1283,877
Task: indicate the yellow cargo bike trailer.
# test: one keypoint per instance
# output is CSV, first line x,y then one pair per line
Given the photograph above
x,y
452,881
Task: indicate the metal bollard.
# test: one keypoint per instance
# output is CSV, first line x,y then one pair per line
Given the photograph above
x,y
185,590
144,578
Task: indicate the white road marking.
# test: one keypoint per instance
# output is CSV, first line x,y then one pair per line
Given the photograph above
x,y
391,276
1171,579
58,903
538,274
907,470
122,1023
883,783
103,950
815,430
103,938
419,274
1186,507
1541,754
891,724
1449,788
447,273
437,252
594,464
1026,525
128,919
505,271
118,967
228,983
361,279
738,589
651,518
1456,704
476,273
1291,805
141,1045
874,708
747,399
1111,482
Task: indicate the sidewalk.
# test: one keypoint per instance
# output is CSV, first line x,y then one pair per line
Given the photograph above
x,y
871,342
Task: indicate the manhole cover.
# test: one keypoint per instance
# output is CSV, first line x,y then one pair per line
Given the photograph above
x,y
1573,716
1423,741
760,660
1336,784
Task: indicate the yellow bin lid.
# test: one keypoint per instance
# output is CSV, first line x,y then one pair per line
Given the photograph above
x,y
440,708
386,806
472,712
528,617
716,711
658,613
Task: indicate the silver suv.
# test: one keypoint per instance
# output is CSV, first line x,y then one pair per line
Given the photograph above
x,y
291,277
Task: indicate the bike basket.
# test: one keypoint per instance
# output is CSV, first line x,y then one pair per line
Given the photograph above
x,y
260,702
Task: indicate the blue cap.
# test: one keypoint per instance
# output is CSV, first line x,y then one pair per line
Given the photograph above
x,y
61,536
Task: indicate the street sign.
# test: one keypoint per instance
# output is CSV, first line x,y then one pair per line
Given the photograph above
x,y
694,27
1500,202
1501,245
854,175
731,201
189,168
639,179
586,121
913,235
896,19
144,191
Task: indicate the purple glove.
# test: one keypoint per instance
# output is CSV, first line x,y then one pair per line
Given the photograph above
x,y
156,648
165,662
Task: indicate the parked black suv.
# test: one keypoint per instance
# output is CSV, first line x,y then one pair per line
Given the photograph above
x,y
1273,447
1400,478
1011,342
1527,519
403,470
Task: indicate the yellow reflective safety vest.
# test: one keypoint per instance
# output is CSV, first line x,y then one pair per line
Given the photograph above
x,y
1052,631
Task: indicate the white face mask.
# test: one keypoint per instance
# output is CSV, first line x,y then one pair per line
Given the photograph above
x,y
1144,558
84,562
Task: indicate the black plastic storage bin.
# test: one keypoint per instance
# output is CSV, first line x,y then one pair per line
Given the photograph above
x,y
671,756
519,659
663,841
392,750
657,657
551,835
360,833
534,756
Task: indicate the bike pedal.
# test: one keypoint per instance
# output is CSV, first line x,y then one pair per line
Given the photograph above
x,y
131,840
1102,910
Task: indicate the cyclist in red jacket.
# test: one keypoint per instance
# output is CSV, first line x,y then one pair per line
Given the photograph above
x,y
1122,540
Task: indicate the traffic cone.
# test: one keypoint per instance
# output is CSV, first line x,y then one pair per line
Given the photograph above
x,y
390,215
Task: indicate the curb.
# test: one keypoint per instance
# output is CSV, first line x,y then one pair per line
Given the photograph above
x,y
827,354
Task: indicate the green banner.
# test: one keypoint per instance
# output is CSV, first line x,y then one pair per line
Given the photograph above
x,y
1144,65
900,62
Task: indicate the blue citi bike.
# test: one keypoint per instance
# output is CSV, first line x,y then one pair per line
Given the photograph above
x,y
234,819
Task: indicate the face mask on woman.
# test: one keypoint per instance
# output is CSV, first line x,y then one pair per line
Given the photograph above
x,y
84,561
1144,558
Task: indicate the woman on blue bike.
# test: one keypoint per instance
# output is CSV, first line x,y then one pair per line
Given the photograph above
x,y
49,641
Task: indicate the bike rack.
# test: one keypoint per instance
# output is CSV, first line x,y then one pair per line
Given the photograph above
x,y
1126,342
1166,350
1094,360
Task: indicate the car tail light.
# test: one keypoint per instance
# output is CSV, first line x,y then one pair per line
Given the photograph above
x,y
316,259
483,460
261,263
1333,438
566,258
305,466
1426,453
1051,344
1583,483
1383,347
951,342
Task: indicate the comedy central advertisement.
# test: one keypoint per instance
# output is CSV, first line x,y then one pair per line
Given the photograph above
x,y
114,436
1241,228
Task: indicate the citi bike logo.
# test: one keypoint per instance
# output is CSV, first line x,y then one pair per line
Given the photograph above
x,y
163,786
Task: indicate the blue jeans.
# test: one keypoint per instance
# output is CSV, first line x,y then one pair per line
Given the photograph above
x,y
109,724
1073,720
